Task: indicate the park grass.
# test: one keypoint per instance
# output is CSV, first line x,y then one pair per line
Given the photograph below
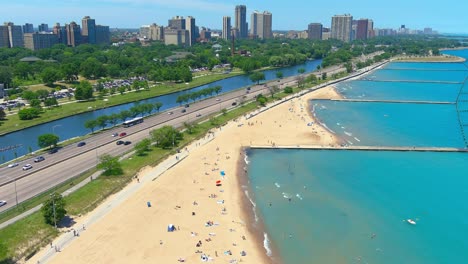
x,y
13,123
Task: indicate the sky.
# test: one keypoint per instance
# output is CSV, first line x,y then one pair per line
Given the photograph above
x,y
448,16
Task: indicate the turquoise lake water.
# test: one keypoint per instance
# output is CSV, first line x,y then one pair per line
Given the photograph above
x,y
352,206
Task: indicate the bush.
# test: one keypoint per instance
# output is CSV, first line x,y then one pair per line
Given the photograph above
x,y
288,90
28,113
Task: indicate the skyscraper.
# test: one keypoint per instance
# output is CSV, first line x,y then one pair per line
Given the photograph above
x,y
370,29
43,27
341,28
362,28
39,40
177,22
73,34
11,36
226,27
260,25
88,30
61,33
241,21
314,31
28,28
102,35
190,26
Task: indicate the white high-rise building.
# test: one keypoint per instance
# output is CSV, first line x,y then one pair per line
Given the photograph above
x,y
227,27
341,28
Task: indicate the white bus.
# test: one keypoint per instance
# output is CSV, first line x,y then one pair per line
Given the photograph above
x,y
132,122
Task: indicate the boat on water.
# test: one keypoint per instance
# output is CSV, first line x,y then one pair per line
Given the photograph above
x,y
411,221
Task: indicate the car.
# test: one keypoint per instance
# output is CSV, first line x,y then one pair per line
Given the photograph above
x,y
187,105
127,143
198,115
39,159
184,110
2,203
82,143
123,134
115,134
234,103
27,167
12,165
248,88
52,151
120,142
170,113
217,99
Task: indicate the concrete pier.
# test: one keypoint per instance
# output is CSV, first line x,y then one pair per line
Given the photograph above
x,y
391,101
363,148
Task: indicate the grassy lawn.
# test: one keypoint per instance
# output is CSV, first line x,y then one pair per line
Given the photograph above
x,y
13,123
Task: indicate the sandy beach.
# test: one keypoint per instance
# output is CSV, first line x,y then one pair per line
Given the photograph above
x,y
210,221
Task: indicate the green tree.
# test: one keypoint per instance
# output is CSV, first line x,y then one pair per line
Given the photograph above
x,y
91,68
91,124
217,89
28,113
47,140
142,147
288,90
301,70
102,121
35,103
124,115
110,165
324,76
166,137
279,74
349,67
51,102
2,114
224,111
84,91
50,75
53,209
257,77
70,71
189,127
273,89
261,99
121,90
6,75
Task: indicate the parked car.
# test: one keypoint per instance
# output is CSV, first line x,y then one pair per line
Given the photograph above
x,y
234,103
2,203
123,134
12,165
127,143
52,151
120,142
27,167
217,99
187,105
39,159
170,113
115,134
198,115
184,110
82,143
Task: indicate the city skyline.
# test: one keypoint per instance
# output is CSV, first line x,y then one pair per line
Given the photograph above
x,y
415,15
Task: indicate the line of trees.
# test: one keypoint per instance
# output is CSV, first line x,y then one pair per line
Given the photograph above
x,y
113,119
194,96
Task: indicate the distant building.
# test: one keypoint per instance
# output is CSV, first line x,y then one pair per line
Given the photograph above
x,y
260,25
314,31
73,34
61,33
145,32
370,29
156,32
326,33
227,27
11,36
177,22
241,21
88,30
28,28
39,40
362,29
205,34
342,27
177,37
191,28
102,35
428,31
43,28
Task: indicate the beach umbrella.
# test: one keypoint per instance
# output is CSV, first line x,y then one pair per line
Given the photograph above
x,y
218,183
222,173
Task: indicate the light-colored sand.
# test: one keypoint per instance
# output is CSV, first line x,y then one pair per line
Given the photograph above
x,y
134,233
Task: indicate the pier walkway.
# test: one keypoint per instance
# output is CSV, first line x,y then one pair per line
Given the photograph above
x,y
418,69
411,81
363,148
391,101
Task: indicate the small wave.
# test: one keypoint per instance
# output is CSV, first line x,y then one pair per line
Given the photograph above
x,y
349,142
287,195
266,244
348,133
246,159
343,127
357,139
327,128
299,196
338,124
253,205
277,185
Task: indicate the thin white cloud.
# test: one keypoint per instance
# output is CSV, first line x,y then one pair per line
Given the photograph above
x,y
198,5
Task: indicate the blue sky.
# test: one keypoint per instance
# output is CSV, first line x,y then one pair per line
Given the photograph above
x,y
444,16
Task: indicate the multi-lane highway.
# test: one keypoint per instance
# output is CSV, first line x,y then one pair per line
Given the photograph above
x,y
71,160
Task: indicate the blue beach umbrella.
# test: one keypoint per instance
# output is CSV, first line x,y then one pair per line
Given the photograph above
x,y
222,173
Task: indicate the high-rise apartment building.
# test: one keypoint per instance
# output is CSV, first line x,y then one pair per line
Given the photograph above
x,y
314,31
191,27
227,27
176,36
11,36
61,33
260,25
39,40
28,28
341,28
177,22
362,28
73,34
88,30
43,28
241,21
370,29
156,32
102,35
